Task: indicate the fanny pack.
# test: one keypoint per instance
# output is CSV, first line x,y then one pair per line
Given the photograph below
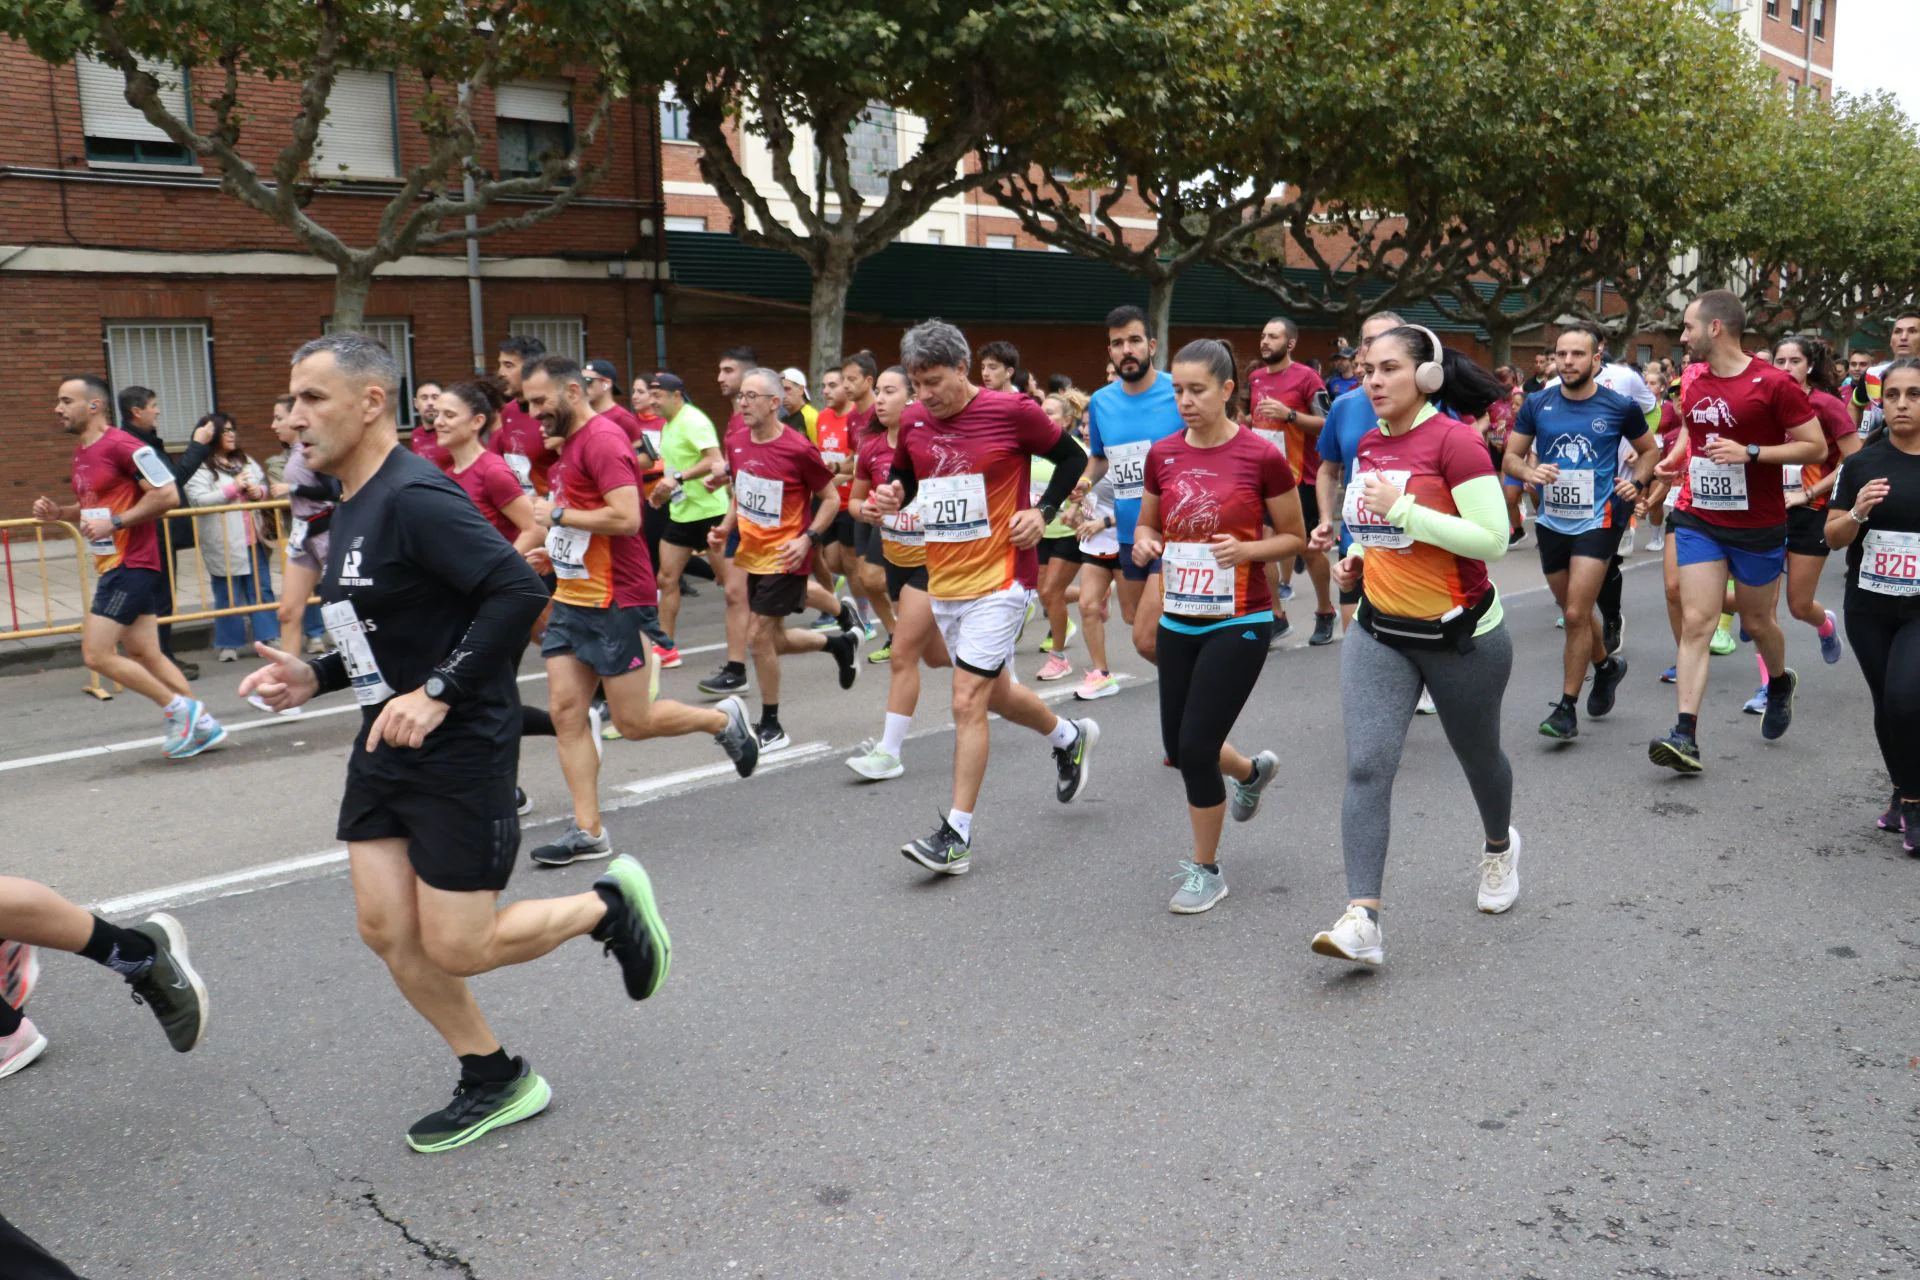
x,y
1453,631
317,525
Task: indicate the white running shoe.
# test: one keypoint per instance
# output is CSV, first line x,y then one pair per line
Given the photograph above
x,y
21,1048
1425,706
1658,542
875,765
1500,876
1355,936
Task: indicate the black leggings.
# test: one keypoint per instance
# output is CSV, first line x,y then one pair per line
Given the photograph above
x,y
1887,648
1204,681
26,1260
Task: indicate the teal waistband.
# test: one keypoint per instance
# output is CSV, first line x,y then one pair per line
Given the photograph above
x,y
1201,628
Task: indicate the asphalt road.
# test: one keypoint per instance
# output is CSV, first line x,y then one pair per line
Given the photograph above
x,y
1690,1050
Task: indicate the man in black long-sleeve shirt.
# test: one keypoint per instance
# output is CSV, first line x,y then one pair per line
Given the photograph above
x,y
139,415
426,607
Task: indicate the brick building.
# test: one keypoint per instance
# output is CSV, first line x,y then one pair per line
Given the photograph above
x,y
1795,38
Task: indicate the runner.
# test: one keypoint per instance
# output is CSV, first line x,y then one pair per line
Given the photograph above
x,y
775,474
1903,339
518,437
1665,424
732,675
836,432
1427,517
1575,427
419,598
426,421
963,454
122,487
1876,517
999,362
869,574
1288,404
903,550
689,453
140,418
605,608
1059,549
1210,492
1745,420
1124,418
1097,549
310,498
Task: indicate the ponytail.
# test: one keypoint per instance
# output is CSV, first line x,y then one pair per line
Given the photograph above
x,y
481,397
1468,390
1215,355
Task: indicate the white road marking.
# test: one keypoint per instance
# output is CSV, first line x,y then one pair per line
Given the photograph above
x,y
671,783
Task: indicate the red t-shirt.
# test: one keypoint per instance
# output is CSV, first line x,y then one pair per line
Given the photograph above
x,y
1419,580
1294,386
1835,422
902,541
972,471
106,477
1758,405
837,441
773,487
493,487
1204,492
1669,424
518,439
595,461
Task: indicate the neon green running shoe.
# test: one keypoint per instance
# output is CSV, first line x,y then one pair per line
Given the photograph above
x,y
634,934
883,654
478,1108
1723,643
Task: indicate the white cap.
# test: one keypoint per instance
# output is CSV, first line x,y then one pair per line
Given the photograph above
x,y
797,378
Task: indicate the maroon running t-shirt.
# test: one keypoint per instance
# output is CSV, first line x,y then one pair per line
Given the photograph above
x,y
1294,386
613,570
774,482
1759,405
493,487
106,483
1204,492
519,439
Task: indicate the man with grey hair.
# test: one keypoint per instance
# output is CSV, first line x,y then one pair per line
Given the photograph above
x,y
965,453
427,605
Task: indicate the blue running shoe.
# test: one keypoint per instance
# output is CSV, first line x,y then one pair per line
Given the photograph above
x,y
1830,643
206,732
1757,704
1670,676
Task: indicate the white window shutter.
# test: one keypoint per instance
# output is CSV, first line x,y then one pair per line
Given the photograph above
x,y
526,101
105,111
356,139
562,335
171,360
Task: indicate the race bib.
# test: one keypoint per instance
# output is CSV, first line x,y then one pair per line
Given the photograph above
x,y
954,508
1717,486
567,548
902,528
1127,467
1366,528
297,537
833,460
101,546
153,468
522,471
1570,497
1793,479
349,636
1277,437
1890,563
759,499
1195,584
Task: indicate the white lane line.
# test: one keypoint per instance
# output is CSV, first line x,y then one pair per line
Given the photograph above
x,y
191,890
669,783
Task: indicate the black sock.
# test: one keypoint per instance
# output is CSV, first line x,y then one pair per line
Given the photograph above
x,y
488,1068
10,1019
1781,684
1688,726
535,723
735,668
1570,701
122,950
1211,868
1500,845
1373,913
770,714
615,905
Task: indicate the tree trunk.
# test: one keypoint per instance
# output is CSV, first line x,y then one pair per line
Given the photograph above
x,y
350,289
1499,342
827,313
1160,315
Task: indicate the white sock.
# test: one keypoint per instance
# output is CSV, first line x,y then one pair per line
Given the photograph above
x,y
1064,734
177,707
894,736
961,823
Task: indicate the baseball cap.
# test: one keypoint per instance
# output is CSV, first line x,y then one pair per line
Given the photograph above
x,y
668,382
602,369
797,378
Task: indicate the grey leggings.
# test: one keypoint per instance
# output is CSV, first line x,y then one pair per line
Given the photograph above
x,y
1378,688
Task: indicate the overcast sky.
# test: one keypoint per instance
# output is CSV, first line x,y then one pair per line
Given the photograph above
x,y
1877,46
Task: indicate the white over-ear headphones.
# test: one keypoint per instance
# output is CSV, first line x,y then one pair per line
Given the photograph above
x,y
1431,375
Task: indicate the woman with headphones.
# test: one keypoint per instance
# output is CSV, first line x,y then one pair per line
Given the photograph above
x,y
1426,514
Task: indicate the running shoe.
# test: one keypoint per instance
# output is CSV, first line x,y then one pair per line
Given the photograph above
x,y
1779,716
1425,706
1322,629
1200,890
1677,752
1613,632
316,644
1910,824
688,591
1561,723
22,1047
827,622
227,655
850,620
480,1107
522,803
1658,542
574,845
1073,629
875,765
1722,643
1892,819
634,934
845,649
1074,763
1243,798
191,670
602,725
669,658
1607,678
1286,591
1560,623
1745,638
772,737
1670,676
19,973
1500,876
1281,630
169,985
1056,667
1757,704
1830,643
943,851
738,739
180,725
1095,685
723,682
1355,936
1026,619
883,654
207,732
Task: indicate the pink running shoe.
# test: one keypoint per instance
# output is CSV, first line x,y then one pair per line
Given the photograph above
x,y
1097,684
20,1048
1055,667
19,970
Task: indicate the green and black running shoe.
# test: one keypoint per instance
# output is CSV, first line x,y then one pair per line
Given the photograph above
x,y
170,986
635,935
478,1108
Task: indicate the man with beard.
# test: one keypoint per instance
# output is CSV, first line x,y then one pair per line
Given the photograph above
x,y
1289,406
1904,340
517,438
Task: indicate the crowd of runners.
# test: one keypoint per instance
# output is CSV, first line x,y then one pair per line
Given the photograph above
x,y
931,521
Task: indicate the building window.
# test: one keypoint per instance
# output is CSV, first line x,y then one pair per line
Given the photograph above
x,y
1795,14
1773,8
534,121
936,236
171,358
1793,89
999,242
1643,354
117,132
873,149
563,335
1819,19
1813,90
685,222
358,137
673,115
396,334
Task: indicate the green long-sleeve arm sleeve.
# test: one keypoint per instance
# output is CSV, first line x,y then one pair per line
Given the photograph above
x,y
1480,530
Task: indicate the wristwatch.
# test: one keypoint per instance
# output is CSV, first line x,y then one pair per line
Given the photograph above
x,y
675,476
437,689
1049,513
115,522
1857,517
557,516
814,535
1292,416
1753,453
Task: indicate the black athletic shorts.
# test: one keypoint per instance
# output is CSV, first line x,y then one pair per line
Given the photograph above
x,y
462,834
611,641
900,577
844,530
127,595
868,544
777,595
1067,548
1309,504
1557,550
691,534
1806,532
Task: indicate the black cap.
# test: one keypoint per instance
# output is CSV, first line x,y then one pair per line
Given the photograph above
x,y
602,369
665,381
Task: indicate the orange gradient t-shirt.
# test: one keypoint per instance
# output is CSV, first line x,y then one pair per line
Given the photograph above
x,y
1402,576
773,487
